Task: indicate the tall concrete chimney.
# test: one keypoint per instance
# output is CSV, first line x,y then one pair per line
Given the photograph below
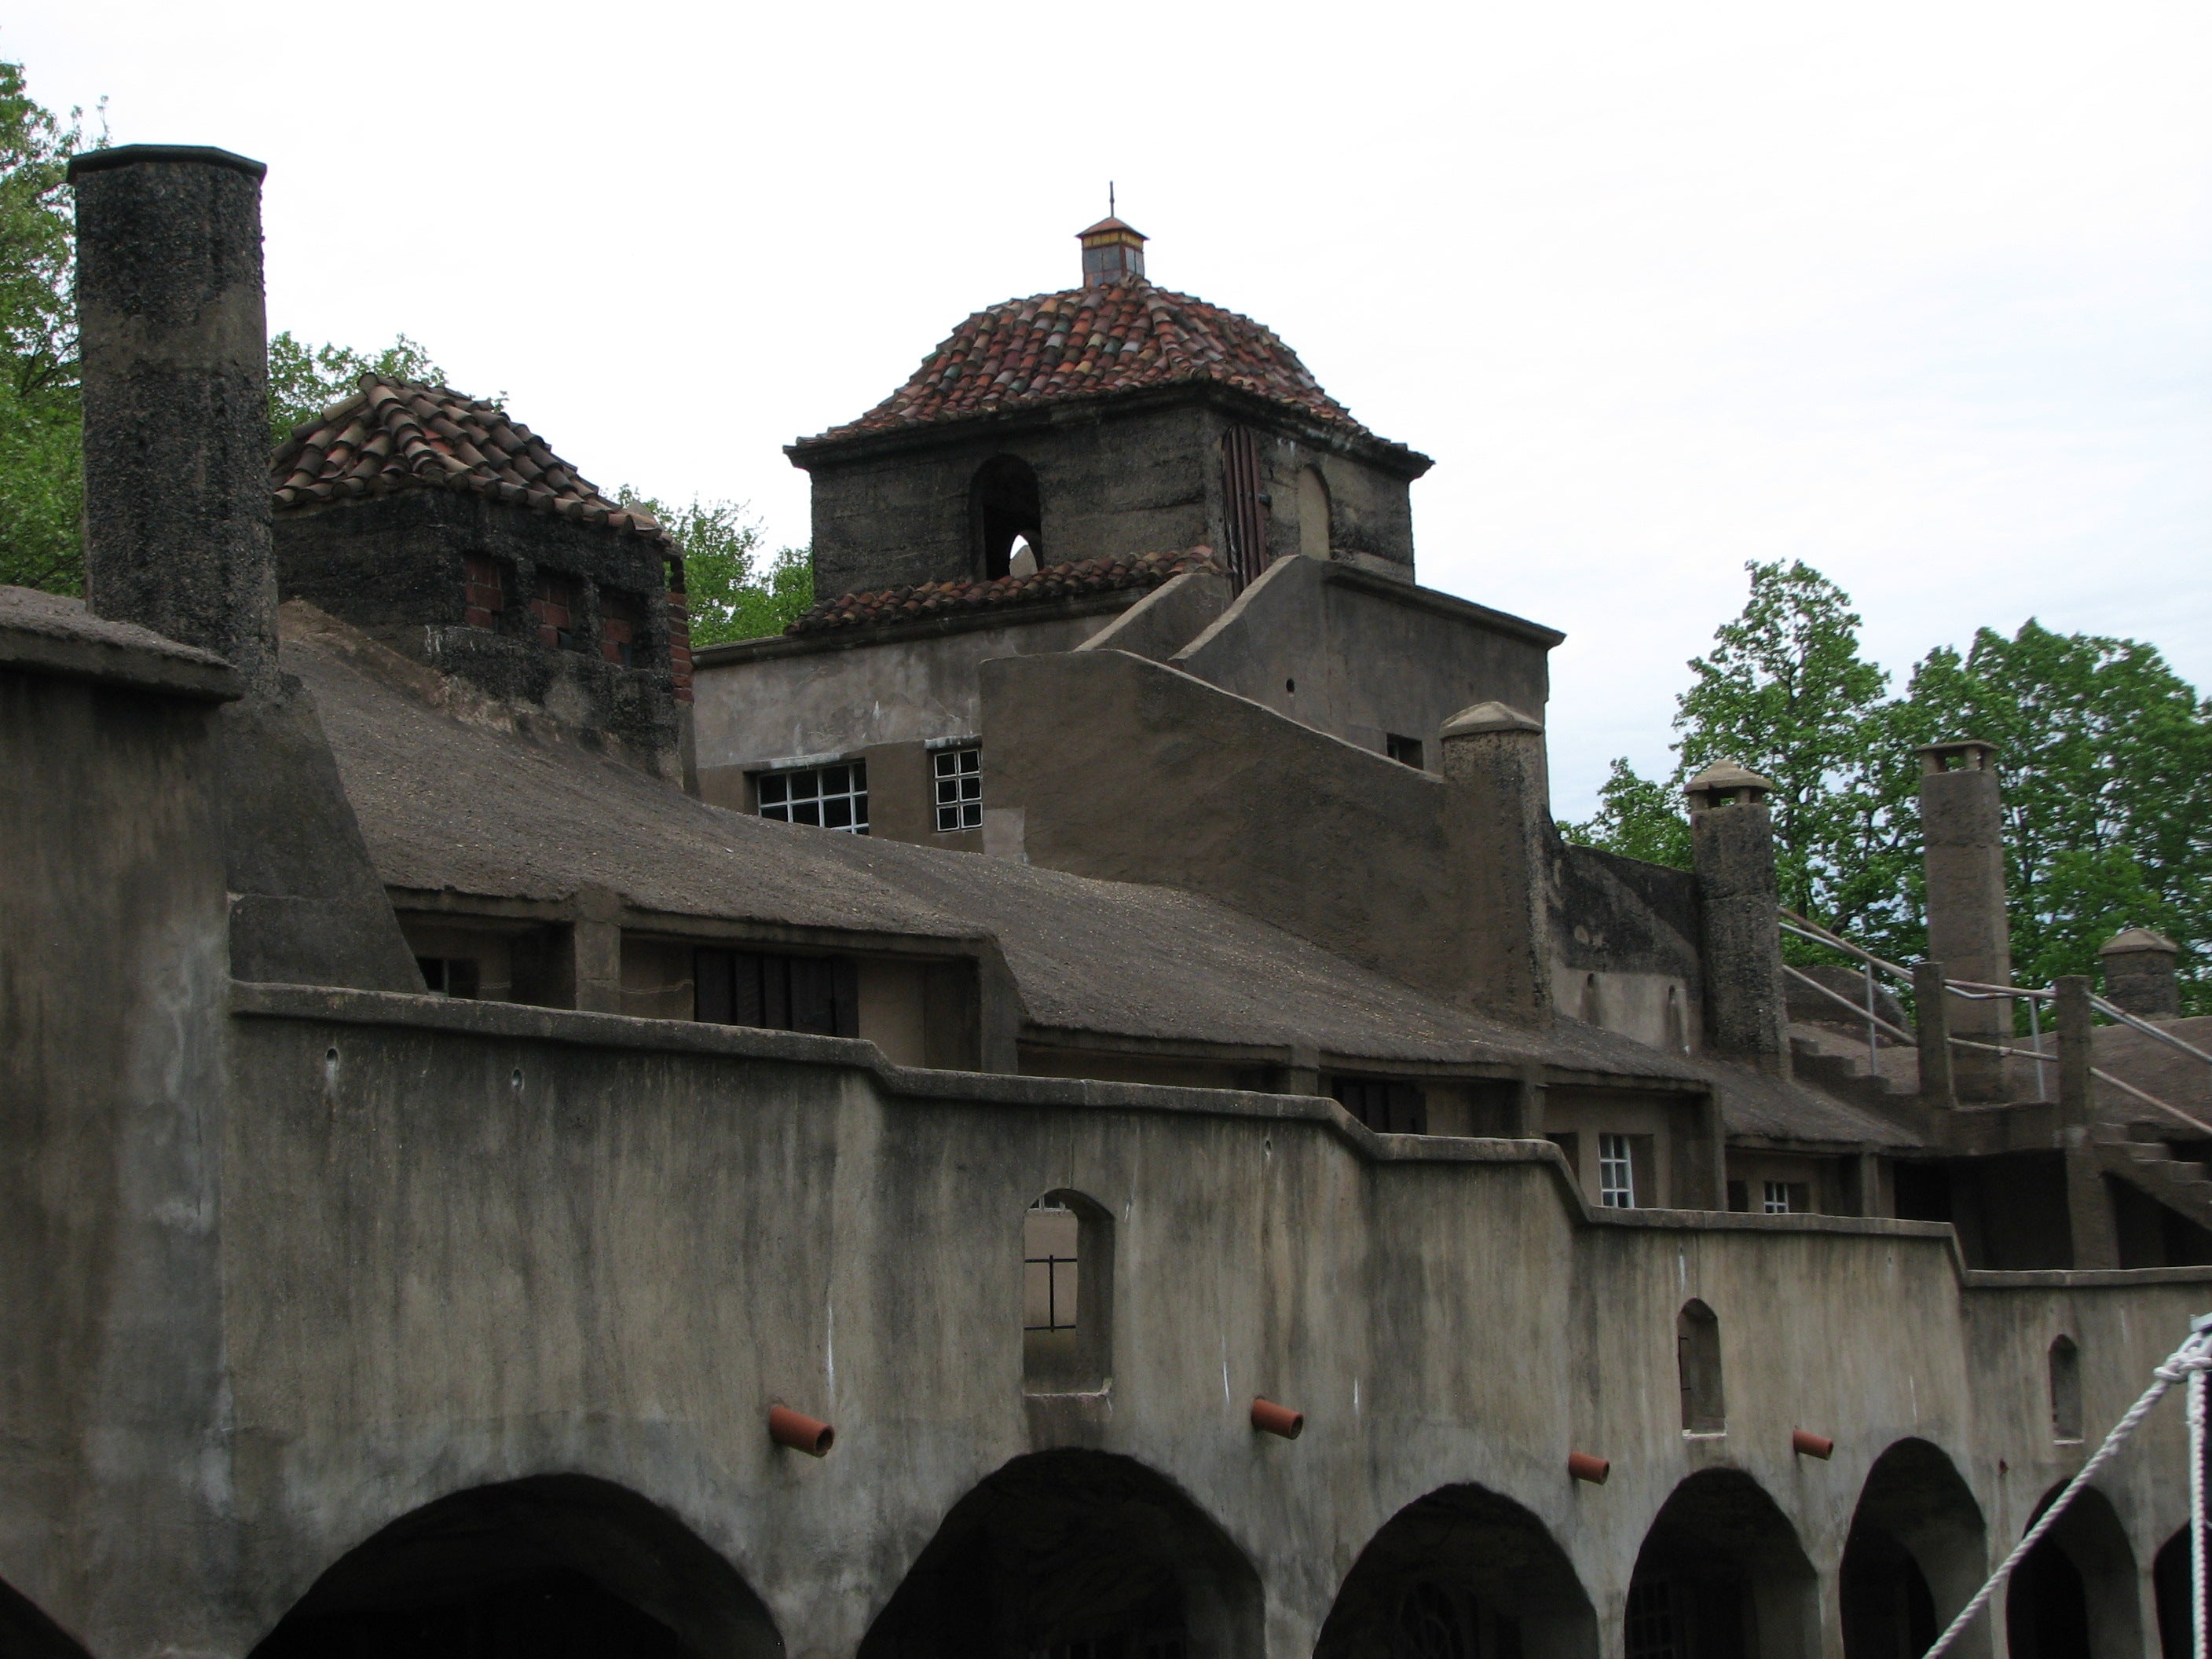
x,y
1739,905
2139,975
176,393
1493,758
1962,845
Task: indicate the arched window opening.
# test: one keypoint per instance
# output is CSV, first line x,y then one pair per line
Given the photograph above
x,y
1313,522
1461,1573
1916,1552
1067,1295
553,1565
1006,508
2066,1389
1698,1356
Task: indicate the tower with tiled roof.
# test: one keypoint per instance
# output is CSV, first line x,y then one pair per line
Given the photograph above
x,y
1104,420
445,528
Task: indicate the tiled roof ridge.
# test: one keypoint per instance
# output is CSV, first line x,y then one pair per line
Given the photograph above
x,y
1050,581
401,435
1085,341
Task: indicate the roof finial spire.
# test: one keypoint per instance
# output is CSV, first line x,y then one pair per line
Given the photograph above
x,y
1113,252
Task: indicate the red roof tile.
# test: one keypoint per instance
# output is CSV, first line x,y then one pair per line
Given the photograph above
x,y
395,434
1088,341
1054,581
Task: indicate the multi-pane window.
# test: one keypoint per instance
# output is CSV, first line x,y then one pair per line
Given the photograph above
x,y
773,992
1786,1197
1616,1173
1049,1235
828,797
958,776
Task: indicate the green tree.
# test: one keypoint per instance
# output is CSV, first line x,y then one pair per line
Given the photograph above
x,y
41,426
734,590
306,379
1636,817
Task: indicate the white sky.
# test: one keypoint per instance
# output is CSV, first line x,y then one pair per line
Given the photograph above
x,y
1921,293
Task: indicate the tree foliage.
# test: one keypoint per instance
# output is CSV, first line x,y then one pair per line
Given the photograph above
x,y
733,588
42,466
306,379
2105,755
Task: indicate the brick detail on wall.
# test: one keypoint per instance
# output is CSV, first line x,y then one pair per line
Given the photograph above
x,y
483,591
679,643
621,626
556,607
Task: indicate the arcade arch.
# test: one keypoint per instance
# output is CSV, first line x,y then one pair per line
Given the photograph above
x,y
1721,1576
1462,1573
559,1566
1917,1552
1073,1554
2075,1596
28,1633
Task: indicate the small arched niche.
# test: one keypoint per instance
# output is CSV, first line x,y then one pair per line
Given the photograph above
x,y
1314,520
1698,1357
2066,1389
1006,507
1067,1295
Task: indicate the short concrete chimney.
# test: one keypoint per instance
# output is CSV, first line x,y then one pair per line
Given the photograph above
x,y
1739,909
176,395
1962,839
1493,758
2139,973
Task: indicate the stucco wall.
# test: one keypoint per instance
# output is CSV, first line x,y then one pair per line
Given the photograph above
x,y
440,1276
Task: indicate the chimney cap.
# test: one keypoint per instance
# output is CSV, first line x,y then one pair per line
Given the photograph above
x,y
1959,755
130,155
1725,781
1113,254
2136,940
1488,717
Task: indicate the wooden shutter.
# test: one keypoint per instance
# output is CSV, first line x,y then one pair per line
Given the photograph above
x,y
1243,517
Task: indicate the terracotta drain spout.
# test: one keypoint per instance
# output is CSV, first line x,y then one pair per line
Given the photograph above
x,y
1808,1444
800,1431
1270,1418
1583,1467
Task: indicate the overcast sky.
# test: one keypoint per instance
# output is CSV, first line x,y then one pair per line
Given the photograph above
x,y
1921,294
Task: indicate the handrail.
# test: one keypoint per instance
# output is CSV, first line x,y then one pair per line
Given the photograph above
x,y
2196,1123
2122,1016
1897,1031
1819,935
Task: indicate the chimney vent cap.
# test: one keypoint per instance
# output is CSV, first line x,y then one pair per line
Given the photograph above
x,y
2137,939
1959,755
130,155
1489,717
1726,782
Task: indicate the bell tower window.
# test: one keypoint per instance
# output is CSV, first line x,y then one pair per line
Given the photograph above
x,y
1006,510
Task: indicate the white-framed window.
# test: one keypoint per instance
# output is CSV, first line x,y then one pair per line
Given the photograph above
x,y
958,776
1778,1200
1616,1173
828,797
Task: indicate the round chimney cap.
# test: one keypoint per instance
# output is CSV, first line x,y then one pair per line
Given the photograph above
x,y
2135,939
1489,717
1727,777
131,156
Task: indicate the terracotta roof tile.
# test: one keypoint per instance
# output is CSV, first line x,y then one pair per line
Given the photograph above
x,y
1088,341
1054,581
394,435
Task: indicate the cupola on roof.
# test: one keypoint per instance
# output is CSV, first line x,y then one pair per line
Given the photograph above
x,y
1116,333
397,435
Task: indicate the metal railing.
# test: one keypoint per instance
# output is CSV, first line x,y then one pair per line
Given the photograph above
x,y
1976,991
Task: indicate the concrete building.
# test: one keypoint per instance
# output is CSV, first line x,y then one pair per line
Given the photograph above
x,y
488,1165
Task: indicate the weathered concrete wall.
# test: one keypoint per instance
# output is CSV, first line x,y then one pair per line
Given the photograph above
x,y
1360,656
113,1472
470,1249
1626,938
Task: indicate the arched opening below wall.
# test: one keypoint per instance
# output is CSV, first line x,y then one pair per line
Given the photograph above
x,y
2170,1590
1006,506
28,1633
1721,1576
2075,1596
1073,1554
1917,1552
1462,1573
556,1566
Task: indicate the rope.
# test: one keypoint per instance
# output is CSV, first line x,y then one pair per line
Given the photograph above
x,y
2197,1511
2190,1361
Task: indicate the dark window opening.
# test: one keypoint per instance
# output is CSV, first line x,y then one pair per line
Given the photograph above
x,y
621,626
484,590
1697,1358
1739,1196
1922,1192
2066,1389
1406,751
1571,1144
449,976
826,797
1243,506
557,608
772,992
1007,508
1387,1108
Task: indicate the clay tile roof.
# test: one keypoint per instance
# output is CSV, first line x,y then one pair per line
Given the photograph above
x,y
1054,581
1088,341
394,435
